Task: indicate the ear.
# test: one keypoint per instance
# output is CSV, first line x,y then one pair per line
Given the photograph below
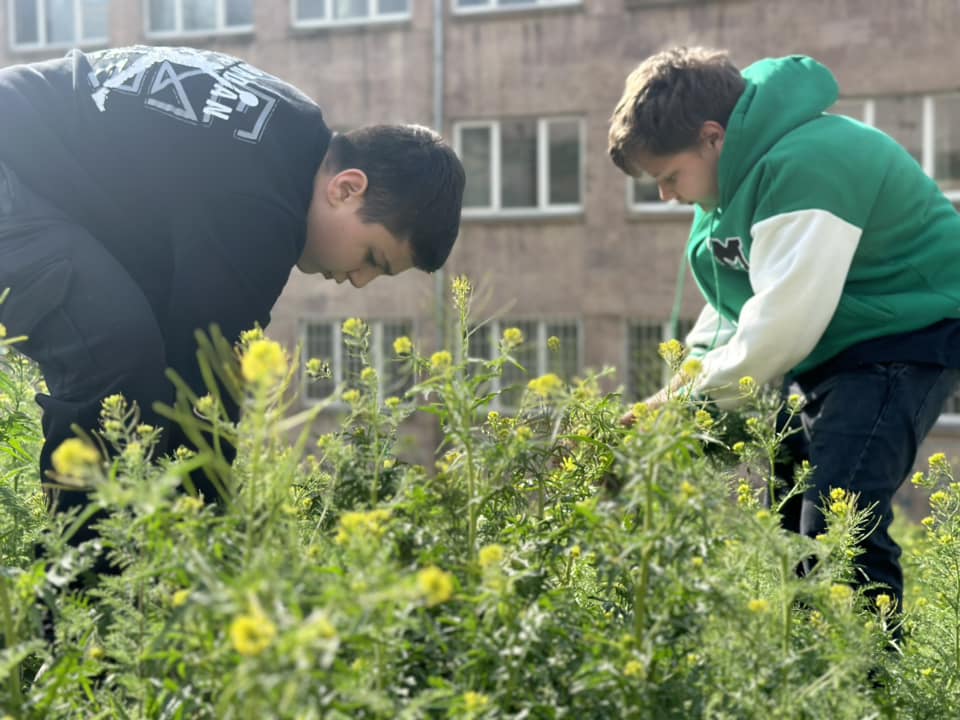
x,y
346,186
712,135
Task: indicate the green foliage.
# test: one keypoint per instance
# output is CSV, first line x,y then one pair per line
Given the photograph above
x,y
552,564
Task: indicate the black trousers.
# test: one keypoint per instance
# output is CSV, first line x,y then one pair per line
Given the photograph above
x,y
861,429
89,326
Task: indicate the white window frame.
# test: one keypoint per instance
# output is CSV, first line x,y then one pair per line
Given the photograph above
x,y
42,44
221,28
494,6
373,17
928,133
497,327
378,355
543,207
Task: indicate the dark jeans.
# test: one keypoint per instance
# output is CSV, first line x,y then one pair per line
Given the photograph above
x,y
89,326
861,429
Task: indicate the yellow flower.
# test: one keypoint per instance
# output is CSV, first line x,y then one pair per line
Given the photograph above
x,y
205,405
461,289
3,330
353,327
145,429
512,337
575,552
180,598
524,433
838,494
359,524
917,478
490,555
546,385
671,351
368,374
474,701
884,603
114,404
263,362
251,335
758,605
795,402
927,522
696,561
402,345
744,493
692,368
351,396
388,463
704,419
435,585
133,452
748,386
95,652
739,447
318,625
73,457
841,594
251,634
441,360
840,507
687,489
939,498
634,668
553,343
392,402
762,515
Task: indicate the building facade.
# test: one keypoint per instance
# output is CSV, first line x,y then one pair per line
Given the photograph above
x,y
556,240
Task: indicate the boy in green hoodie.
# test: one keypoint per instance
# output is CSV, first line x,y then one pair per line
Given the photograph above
x,y
827,257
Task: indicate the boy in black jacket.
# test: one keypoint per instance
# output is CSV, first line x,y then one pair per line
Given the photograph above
x,y
148,192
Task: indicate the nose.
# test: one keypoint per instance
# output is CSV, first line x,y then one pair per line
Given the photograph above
x,y
359,278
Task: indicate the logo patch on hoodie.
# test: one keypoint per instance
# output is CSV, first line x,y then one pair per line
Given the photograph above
x,y
729,253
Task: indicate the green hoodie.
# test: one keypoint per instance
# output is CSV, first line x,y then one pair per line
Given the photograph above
x,y
828,233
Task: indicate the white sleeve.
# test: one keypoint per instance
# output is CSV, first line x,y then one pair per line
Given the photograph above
x,y
798,266
711,330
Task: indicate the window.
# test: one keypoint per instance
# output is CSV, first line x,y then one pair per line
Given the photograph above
x,y
324,340
646,370
185,17
534,355
468,6
313,13
928,126
522,165
57,23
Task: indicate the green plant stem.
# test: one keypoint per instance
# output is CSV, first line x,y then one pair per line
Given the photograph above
x,y
10,640
787,603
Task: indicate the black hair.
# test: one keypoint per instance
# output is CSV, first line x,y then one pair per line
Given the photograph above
x,y
414,185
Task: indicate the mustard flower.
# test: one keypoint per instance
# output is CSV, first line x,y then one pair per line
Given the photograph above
x,y
461,289
512,337
635,669
73,457
441,360
353,327
351,396
263,362
692,368
251,634
795,402
368,374
402,345
546,385
939,498
490,555
318,369
553,343
435,585
703,419
474,701
180,598
671,351
758,605
841,594
747,385
392,402
3,330
251,335
358,524
205,405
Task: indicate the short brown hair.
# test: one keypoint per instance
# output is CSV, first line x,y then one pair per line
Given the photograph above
x,y
666,100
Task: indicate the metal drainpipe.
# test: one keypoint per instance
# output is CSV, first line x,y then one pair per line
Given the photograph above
x,y
439,277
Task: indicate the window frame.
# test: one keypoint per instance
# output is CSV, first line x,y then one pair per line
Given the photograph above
x,y
372,18
378,354
41,44
543,208
221,29
494,6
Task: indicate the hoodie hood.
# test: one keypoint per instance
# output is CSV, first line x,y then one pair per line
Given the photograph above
x,y
780,95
